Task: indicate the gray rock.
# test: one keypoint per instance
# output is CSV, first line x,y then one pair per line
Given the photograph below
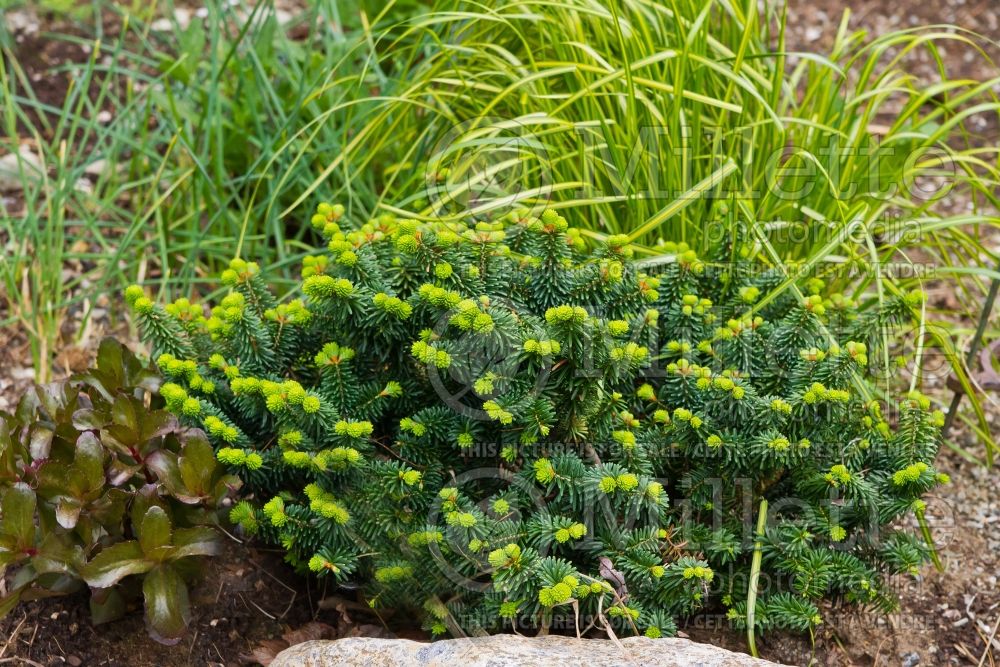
x,y
14,170
510,651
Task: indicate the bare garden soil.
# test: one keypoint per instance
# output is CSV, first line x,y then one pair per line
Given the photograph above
x,y
248,604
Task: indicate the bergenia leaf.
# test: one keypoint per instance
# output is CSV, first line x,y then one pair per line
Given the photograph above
x,y
167,605
156,424
72,487
197,541
120,473
93,415
117,368
110,361
40,443
108,376
115,563
163,464
56,398
154,534
89,460
68,512
9,601
18,512
145,497
53,480
197,466
121,438
57,554
9,450
226,486
125,427
109,509
26,408
86,419
106,604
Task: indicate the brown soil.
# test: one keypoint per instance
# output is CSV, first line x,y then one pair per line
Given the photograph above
x,y
47,62
249,599
243,598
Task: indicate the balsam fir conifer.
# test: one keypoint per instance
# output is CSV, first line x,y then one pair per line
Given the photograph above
x,y
491,423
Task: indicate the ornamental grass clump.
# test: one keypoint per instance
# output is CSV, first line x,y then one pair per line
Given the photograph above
x,y
492,424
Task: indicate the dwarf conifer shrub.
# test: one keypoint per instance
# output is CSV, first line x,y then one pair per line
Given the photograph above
x,y
101,487
496,425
